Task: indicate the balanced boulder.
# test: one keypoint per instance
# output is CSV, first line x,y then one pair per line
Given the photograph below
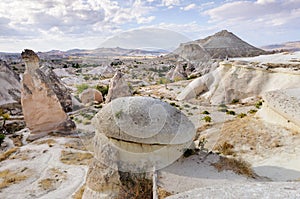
x,y
136,134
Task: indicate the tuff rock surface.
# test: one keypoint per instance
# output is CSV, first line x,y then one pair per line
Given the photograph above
x,y
41,107
118,87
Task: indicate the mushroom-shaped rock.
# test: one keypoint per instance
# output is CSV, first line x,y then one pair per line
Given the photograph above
x,y
147,132
90,95
135,135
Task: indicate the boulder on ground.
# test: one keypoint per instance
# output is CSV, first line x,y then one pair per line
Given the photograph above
x,y
90,95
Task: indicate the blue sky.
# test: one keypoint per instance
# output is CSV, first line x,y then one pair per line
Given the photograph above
x,y
64,24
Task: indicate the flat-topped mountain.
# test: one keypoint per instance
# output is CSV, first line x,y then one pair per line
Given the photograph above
x,y
291,46
220,45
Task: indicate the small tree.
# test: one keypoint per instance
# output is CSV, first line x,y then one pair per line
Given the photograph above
x,y
207,119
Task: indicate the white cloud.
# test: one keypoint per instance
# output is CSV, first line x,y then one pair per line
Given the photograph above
x,y
261,12
262,20
170,3
71,16
265,1
189,7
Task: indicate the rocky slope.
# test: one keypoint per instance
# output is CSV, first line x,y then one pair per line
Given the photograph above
x,y
282,107
10,94
241,80
220,45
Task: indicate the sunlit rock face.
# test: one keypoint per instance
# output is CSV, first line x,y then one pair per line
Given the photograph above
x,y
42,109
135,135
91,95
118,87
240,80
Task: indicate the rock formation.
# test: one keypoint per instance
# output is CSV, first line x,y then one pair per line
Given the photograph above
x,y
43,112
282,107
61,91
118,87
177,73
91,95
239,80
135,134
10,95
218,46
103,71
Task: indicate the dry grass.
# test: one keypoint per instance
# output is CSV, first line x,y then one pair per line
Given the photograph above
x,y
55,177
75,144
9,178
22,155
47,184
17,139
75,158
8,153
135,186
162,193
78,194
248,133
240,166
225,148
50,142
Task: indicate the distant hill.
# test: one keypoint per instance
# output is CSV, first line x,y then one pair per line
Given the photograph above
x,y
288,46
146,39
220,45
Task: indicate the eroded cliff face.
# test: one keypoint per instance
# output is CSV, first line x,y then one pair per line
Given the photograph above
x,y
240,80
10,94
42,109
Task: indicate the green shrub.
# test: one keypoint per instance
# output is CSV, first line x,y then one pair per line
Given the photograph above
x,y
102,89
207,119
163,80
2,137
81,88
205,112
234,101
86,77
252,111
230,112
241,115
258,104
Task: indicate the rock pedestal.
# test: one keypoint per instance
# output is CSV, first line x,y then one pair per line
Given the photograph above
x,y
41,107
136,134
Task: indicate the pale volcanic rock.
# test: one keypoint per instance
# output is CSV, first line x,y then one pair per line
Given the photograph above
x,y
90,95
10,94
42,109
144,125
177,73
135,134
61,91
220,45
118,87
282,107
239,80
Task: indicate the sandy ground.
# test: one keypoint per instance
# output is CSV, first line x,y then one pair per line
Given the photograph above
x,y
39,160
